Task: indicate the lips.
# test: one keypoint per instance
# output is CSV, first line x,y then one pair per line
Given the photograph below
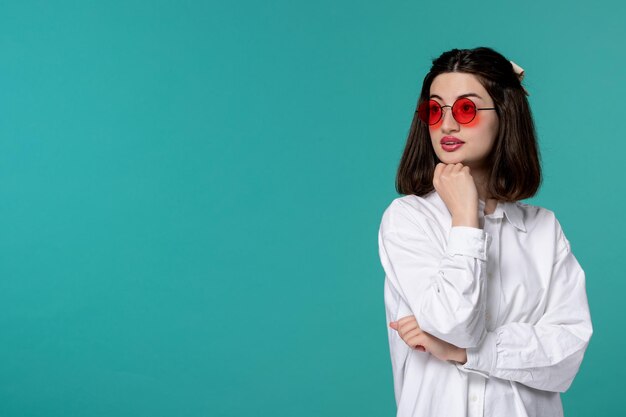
x,y
450,143
450,140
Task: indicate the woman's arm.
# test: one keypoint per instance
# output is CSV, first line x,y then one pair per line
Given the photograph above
x,y
544,356
440,278
410,332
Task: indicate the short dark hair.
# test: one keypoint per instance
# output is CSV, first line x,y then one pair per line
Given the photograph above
x,y
514,159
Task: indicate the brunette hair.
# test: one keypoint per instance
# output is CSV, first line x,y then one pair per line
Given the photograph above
x,y
514,159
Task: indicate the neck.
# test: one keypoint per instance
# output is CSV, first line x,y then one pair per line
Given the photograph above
x,y
480,179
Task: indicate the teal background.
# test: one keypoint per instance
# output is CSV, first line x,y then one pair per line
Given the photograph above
x,y
190,195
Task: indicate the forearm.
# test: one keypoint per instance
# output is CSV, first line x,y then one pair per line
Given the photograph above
x,y
444,290
459,355
545,357
469,219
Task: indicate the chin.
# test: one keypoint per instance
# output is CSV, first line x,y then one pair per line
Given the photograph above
x,y
450,159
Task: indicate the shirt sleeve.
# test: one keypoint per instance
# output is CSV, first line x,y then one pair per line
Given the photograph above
x,y
546,355
443,283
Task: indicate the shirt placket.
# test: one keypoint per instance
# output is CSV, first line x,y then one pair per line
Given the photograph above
x,y
493,226
475,395
476,383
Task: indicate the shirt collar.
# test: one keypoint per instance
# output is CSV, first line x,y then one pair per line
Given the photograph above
x,y
513,213
511,210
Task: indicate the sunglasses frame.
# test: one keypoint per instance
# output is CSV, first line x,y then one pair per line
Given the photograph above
x,y
476,109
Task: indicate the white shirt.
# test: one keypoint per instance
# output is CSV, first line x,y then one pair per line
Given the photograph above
x,y
511,293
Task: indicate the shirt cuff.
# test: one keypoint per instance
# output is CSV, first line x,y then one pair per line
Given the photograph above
x,y
470,241
481,359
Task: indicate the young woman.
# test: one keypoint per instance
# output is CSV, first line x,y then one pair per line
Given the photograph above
x,y
486,303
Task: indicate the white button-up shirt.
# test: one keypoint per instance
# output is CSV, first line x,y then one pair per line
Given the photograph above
x,y
511,293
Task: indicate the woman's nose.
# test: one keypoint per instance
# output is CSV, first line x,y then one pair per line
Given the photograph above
x,y
449,123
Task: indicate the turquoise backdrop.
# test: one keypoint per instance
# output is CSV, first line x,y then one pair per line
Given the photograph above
x,y
190,195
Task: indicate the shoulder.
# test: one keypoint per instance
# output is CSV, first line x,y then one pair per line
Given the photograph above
x,y
536,216
413,211
542,222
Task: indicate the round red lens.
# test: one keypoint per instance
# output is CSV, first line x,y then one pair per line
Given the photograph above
x,y
464,110
429,112
423,112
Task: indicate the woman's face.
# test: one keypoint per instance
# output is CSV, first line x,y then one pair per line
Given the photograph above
x,y
453,142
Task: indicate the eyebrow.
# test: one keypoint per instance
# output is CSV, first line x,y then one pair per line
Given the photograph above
x,y
461,96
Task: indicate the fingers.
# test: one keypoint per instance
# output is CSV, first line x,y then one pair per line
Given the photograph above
x,y
451,169
407,319
448,171
410,332
407,327
417,339
404,319
405,323
417,342
438,170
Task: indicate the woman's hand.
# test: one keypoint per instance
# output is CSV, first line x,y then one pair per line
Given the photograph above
x,y
415,338
456,187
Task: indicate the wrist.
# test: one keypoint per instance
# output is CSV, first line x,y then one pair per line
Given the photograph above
x,y
466,220
460,356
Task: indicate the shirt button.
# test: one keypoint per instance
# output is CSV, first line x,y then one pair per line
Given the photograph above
x,y
473,398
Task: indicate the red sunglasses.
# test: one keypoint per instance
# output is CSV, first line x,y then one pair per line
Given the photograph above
x,y
463,110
